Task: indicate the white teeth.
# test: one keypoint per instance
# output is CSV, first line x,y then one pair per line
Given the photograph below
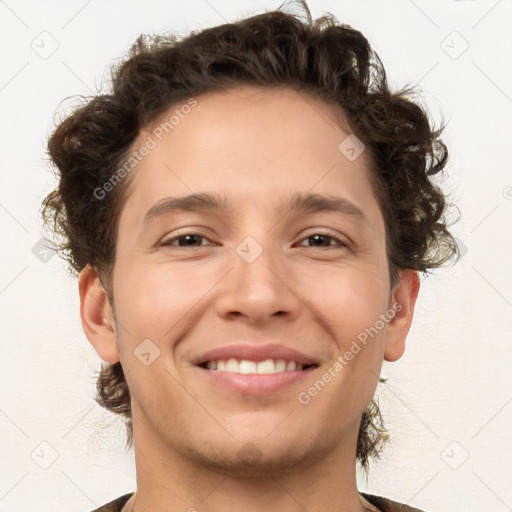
x,y
266,366
246,367
233,366
280,365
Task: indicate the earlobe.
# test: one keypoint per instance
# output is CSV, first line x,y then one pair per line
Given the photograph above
x,y
402,303
97,316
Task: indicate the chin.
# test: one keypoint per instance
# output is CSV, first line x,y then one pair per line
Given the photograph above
x,y
248,458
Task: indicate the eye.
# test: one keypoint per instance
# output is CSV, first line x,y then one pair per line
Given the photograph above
x,y
322,237
188,239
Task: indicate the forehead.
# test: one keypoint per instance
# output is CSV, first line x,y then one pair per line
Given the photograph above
x,y
260,111
253,145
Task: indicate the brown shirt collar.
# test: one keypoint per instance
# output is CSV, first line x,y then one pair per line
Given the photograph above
x,y
382,504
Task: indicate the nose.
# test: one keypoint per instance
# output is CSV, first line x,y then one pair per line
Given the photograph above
x,y
258,290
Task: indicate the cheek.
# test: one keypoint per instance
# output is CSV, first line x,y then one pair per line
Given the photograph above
x,y
153,305
157,301
349,305
347,300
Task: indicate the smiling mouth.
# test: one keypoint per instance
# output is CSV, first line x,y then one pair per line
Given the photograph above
x,y
248,367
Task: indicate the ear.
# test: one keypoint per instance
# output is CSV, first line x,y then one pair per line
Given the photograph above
x,y
97,316
403,300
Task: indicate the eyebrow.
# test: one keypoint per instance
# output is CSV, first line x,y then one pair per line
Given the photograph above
x,y
298,202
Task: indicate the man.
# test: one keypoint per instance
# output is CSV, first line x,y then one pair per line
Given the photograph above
x,y
248,210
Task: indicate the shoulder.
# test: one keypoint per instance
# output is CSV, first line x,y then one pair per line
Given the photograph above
x,y
387,505
115,505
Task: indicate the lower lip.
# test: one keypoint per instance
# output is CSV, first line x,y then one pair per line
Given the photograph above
x,y
257,384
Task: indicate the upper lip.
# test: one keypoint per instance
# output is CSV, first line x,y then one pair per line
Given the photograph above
x,y
253,352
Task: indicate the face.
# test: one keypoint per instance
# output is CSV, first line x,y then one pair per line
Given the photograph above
x,y
235,322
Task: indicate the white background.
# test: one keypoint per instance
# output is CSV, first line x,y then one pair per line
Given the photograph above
x,y
452,385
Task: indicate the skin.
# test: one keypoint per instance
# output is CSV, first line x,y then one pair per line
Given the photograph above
x,y
256,147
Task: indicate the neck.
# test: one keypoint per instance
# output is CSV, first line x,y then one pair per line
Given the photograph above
x,y
168,481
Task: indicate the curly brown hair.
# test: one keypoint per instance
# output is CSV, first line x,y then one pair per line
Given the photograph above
x,y
323,58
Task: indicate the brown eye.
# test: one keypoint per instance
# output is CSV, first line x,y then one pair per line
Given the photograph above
x,y
324,239
184,240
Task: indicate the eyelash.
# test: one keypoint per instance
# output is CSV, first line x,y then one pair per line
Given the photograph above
x,y
327,234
